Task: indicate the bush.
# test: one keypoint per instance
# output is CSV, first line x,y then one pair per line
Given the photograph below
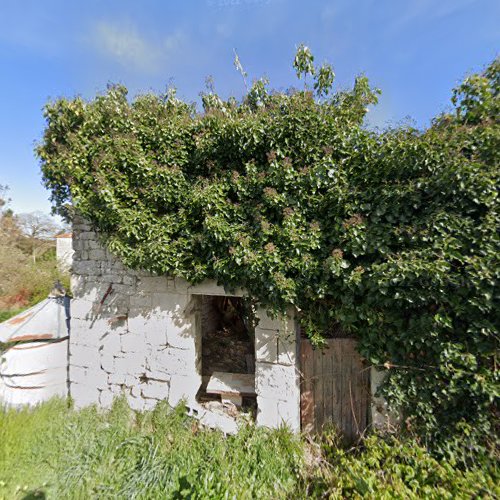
x,y
394,468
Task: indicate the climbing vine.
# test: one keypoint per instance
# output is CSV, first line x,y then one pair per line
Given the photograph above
x,y
392,234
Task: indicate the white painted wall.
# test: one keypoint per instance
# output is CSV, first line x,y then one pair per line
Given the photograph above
x,y
144,340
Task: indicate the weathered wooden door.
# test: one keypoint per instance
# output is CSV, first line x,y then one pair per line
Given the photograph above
x,y
335,388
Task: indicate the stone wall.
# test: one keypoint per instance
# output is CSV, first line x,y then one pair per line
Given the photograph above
x,y
140,335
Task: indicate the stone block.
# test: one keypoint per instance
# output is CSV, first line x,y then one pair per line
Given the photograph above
x,y
83,355
141,301
77,285
97,254
173,303
156,337
180,285
96,377
133,364
84,395
266,345
265,322
214,420
109,277
184,388
111,342
267,413
135,390
86,235
154,389
93,244
181,335
106,398
276,381
86,268
283,324
93,336
107,362
272,413
173,361
136,404
209,287
81,308
152,284
287,348
149,404
289,413
133,342
382,418
136,321
116,389
116,378
129,281
155,374
77,375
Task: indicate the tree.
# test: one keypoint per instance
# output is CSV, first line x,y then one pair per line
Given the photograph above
x,y
39,230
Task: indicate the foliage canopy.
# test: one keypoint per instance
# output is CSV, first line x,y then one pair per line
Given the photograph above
x,y
392,234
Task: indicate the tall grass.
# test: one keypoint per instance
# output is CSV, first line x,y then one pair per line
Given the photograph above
x,y
56,452
61,453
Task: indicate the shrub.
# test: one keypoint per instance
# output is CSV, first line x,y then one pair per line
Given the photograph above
x,y
393,468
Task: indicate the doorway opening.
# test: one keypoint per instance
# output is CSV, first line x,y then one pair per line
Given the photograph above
x,y
227,354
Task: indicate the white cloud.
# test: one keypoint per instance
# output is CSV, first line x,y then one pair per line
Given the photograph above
x,y
126,46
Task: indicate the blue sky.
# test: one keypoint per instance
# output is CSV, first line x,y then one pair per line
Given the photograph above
x,y
414,50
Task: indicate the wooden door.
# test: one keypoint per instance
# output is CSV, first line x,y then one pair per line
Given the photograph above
x,y
335,388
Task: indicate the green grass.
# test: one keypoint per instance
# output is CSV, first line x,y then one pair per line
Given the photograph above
x,y
56,452
161,454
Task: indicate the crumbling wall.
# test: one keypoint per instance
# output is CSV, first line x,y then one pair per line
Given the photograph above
x,y
137,334
132,333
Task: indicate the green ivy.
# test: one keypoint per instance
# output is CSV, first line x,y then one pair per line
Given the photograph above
x,y
392,234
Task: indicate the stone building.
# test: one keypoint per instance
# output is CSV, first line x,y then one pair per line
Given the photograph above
x,y
147,337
